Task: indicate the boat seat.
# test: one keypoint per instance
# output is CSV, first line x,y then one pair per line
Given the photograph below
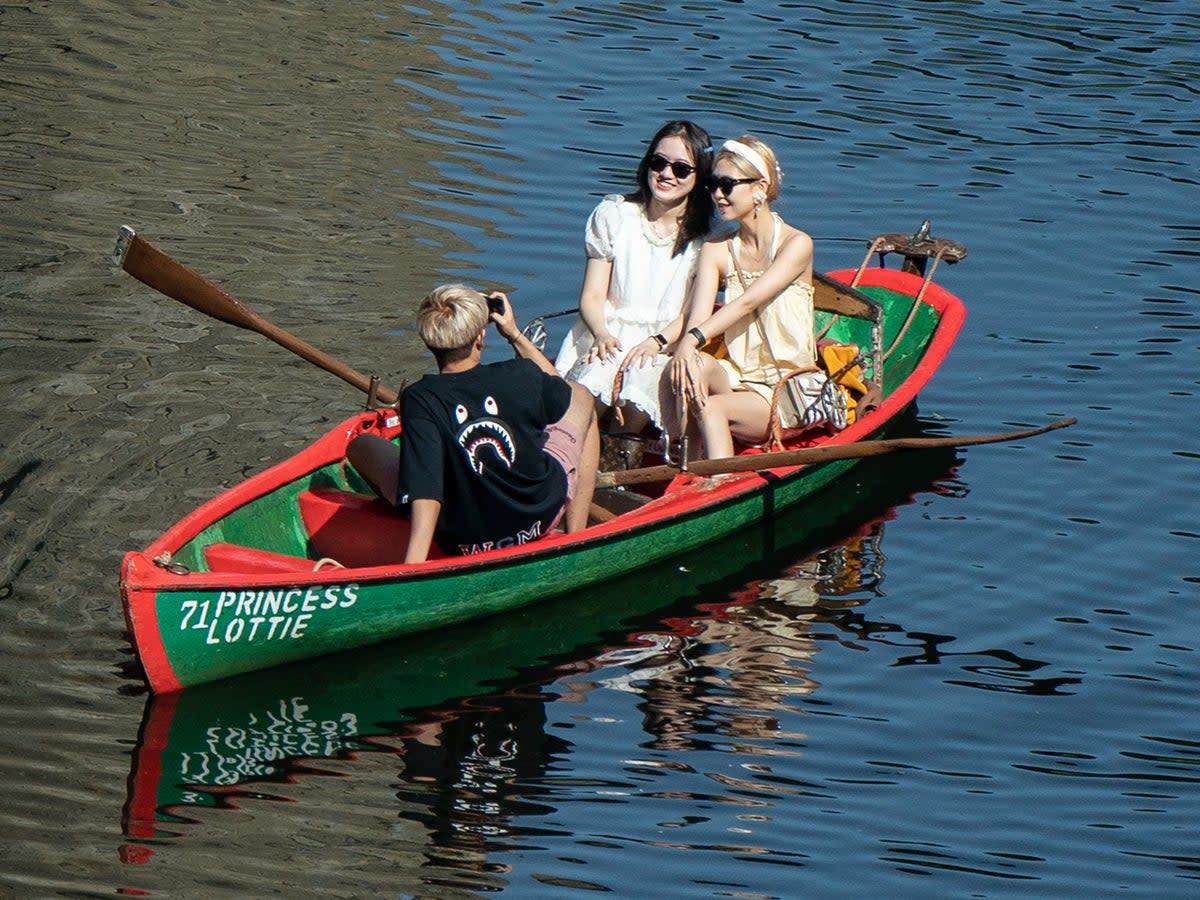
x,y
355,529
239,560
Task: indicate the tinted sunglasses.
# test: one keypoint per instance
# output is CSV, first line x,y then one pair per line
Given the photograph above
x,y
725,184
680,170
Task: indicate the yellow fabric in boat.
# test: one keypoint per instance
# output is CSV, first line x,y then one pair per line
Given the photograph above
x,y
835,358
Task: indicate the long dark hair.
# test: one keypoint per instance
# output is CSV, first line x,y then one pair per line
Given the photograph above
x,y
698,212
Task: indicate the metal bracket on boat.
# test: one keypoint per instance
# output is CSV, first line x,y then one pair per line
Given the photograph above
x,y
536,329
917,249
373,403
163,561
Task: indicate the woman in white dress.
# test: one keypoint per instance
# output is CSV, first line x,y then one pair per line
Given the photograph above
x,y
641,256
767,318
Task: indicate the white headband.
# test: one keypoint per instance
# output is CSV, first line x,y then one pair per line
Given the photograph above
x,y
749,154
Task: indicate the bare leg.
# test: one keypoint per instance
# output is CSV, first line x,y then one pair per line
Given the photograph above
x,y
674,420
724,414
740,414
582,414
378,462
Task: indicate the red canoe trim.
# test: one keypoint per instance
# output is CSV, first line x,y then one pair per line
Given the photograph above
x,y
140,815
141,618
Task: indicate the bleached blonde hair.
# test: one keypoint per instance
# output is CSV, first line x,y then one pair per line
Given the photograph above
x,y
749,167
451,316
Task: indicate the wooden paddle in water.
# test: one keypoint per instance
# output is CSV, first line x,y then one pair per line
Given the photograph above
x,y
154,267
813,455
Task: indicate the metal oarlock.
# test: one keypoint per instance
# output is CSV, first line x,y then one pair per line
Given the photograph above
x,y
536,329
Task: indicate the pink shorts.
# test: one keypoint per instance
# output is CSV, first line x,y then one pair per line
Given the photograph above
x,y
565,444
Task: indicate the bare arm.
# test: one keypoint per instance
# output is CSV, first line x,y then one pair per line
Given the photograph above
x,y
685,367
597,276
420,537
710,269
506,324
644,352
793,261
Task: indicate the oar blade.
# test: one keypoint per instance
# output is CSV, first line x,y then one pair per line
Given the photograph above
x,y
156,269
165,274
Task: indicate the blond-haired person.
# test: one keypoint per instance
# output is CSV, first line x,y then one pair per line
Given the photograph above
x,y
491,455
767,318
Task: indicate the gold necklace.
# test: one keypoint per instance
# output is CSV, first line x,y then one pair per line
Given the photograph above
x,y
656,232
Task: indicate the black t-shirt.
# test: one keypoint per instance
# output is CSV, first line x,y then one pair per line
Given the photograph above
x,y
473,440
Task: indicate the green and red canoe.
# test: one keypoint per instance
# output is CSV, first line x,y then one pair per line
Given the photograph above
x,y
301,560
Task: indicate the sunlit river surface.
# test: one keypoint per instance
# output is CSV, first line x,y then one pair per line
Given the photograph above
x,y
980,679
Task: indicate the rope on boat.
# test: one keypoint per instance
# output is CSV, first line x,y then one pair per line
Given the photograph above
x,y
618,382
916,304
916,249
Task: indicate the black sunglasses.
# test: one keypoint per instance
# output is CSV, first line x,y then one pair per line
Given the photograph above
x,y
680,170
725,184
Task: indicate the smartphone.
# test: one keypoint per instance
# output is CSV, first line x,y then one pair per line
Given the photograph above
x,y
495,304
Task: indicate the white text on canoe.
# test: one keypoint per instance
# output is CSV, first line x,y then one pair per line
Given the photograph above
x,y
264,615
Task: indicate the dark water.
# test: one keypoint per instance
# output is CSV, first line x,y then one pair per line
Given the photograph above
x,y
980,681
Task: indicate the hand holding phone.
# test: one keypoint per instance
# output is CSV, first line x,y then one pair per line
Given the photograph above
x,y
495,304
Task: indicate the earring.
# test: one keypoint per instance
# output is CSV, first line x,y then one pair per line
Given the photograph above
x,y
758,198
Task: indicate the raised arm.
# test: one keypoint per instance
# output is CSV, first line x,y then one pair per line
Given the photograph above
x,y
506,324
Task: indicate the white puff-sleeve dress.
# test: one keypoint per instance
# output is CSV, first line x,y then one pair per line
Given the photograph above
x,y
646,291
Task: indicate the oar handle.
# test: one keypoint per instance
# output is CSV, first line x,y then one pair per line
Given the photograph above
x,y
157,269
814,455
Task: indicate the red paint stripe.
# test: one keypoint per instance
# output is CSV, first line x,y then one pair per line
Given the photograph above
x,y
141,809
141,618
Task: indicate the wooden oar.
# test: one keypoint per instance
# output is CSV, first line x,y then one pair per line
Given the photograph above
x,y
814,455
154,267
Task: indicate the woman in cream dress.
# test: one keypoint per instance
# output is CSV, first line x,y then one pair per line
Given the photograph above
x,y
767,319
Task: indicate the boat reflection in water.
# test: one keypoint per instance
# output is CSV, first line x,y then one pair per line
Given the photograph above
x,y
460,714
753,647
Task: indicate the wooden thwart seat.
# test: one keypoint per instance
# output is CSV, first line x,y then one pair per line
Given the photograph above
x,y
842,300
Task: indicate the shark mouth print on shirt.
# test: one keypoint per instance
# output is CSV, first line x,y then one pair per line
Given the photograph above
x,y
487,432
